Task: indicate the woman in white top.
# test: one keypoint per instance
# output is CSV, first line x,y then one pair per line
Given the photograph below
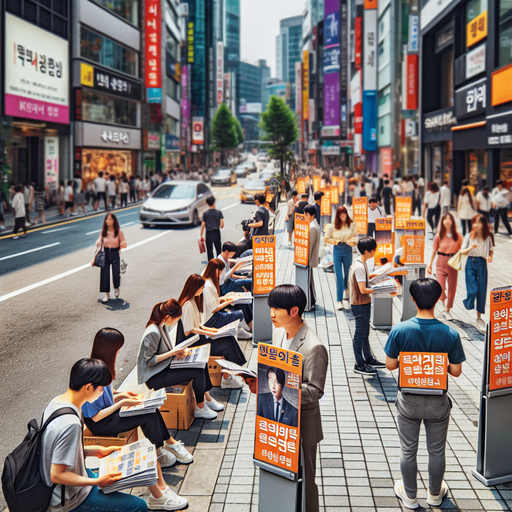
x,y
191,302
484,203
479,246
432,206
124,189
465,210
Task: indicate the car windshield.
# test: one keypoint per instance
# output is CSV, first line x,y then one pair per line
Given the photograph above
x,y
255,185
175,192
225,172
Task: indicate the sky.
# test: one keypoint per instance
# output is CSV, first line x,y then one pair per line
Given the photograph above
x,y
260,26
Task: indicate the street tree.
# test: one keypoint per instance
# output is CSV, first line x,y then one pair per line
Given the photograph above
x,y
239,132
279,125
224,134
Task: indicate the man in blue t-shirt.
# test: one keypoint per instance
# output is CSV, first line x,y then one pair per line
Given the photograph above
x,y
423,333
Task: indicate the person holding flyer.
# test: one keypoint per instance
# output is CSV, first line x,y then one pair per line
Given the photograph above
x,y
314,247
374,213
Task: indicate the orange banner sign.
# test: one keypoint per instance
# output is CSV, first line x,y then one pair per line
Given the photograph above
x,y
264,262
316,183
476,29
414,249
403,209
500,344
360,211
335,198
325,205
278,405
385,240
423,370
341,185
301,186
415,227
306,181
301,250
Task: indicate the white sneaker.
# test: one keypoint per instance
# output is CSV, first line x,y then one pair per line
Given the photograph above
x,y
339,305
117,291
205,413
183,456
2,228
448,315
169,501
166,458
106,298
435,501
214,405
480,324
15,237
400,493
243,334
233,382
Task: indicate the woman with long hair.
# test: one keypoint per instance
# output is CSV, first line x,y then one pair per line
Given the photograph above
x,y
113,241
465,209
447,243
479,246
102,419
432,206
343,235
191,302
153,360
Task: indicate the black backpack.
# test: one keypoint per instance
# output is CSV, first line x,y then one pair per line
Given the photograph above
x,y
22,483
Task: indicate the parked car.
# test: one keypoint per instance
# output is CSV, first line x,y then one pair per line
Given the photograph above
x,y
241,171
223,177
174,203
250,189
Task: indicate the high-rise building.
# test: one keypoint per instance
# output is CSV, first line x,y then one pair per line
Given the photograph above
x,y
232,30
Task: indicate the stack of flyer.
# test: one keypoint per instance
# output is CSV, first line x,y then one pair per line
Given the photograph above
x,y
235,369
247,261
197,357
383,286
152,400
226,330
239,297
137,463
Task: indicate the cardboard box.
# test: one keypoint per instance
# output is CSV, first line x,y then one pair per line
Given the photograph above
x,y
122,439
178,408
215,370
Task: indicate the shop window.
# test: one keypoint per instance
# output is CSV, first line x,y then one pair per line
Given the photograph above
x,y
474,8
446,84
173,46
51,16
106,52
477,168
100,108
506,166
126,9
115,162
505,33
173,89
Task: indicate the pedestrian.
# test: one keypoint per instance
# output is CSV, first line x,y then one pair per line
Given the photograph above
x,y
261,217
362,189
229,281
397,189
112,240
445,197
484,203
138,188
100,184
299,207
387,195
343,235
423,335
124,189
416,199
290,215
479,246
112,192
318,206
68,198
78,194
465,210
432,206
421,186
3,207
314,246
374,213
447,243
213,222
18,205
59,197
28,197
501,202
133,192
361,302
39,199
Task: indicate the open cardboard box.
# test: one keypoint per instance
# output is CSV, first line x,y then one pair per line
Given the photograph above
x,y
122,439
178,408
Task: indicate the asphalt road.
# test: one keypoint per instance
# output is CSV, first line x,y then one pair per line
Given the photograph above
x,y
50,305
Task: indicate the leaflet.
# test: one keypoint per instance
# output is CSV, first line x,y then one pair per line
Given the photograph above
x,y
196,358
226,330
235,369
186,343
152,400
239,297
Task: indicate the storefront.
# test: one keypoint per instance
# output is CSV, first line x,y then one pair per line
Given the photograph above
x,y
172,151
499,137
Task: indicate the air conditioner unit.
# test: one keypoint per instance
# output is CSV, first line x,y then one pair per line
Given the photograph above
x,y
184,12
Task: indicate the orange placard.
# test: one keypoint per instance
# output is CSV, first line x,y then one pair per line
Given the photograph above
x,y
476,29
306,181
341,186
335,198
325,204
301,186
264,264
277,439
415,227
423,370
370,4
414,249
385,240
403,209
301,248
500,344
269,197
501,92
316,183
360,212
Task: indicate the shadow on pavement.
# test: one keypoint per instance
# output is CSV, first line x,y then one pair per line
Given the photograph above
x,y
117,305
472,332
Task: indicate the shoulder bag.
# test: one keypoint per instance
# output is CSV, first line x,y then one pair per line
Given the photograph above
x,y
455,261
99,256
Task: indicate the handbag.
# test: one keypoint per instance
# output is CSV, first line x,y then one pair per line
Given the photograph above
x,y
202,246
455,261
123,265
99,257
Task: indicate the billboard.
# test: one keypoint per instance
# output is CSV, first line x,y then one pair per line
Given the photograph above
x,y
332,52
220,73
305,85
250,108
51,162
358,41
153,50
370,50
370,120
36,72
344,67
332,99
198,130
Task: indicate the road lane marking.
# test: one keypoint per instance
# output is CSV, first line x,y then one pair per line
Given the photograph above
x,y
55,230
98,230
126,214
230,206
127,224
73,271
31,250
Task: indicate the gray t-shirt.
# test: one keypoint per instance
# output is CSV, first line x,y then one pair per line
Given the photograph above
x,y
63,444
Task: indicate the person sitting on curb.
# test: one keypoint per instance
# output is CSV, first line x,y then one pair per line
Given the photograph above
x,y
229,281
423,333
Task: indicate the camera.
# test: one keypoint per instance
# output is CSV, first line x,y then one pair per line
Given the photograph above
x,y
245,224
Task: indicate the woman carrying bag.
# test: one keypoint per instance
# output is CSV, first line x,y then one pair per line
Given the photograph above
x,y
465,209
110,243
432,207
447,243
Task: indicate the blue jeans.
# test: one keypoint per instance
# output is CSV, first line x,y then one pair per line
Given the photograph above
x,y
476,284
342,258
222,318
235,285
114,502
361,342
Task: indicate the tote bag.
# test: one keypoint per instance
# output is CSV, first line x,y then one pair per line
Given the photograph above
x,y
456,261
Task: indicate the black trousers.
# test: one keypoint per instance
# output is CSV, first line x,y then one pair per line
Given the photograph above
x,y
213,239
466,226
433,215
152,424
124,200
387,207
111,259
371,229
113,202
487,215
200,378
100,196
227,347
132,196
19,225
503,214
309,471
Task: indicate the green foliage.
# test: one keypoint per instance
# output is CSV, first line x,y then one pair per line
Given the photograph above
x,y
239,132
224,134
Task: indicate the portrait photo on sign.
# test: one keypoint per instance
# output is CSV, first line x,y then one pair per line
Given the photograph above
x,y
383,237
278,395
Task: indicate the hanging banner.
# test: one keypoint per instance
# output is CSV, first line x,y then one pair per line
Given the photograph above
x,y
264,264
325,204
403,209
360,212
344,67
412,82
51,162
278,407
341,186
153,50
305,85
370,50
384,238
301,249
301,186
414,249
500,376
198,130
334,194
220,73
316,183
358,41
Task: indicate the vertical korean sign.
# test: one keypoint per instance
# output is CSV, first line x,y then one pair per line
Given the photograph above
x,y
360,211
51,162
344,67
317,180
153,45
325,204
301,250
335,198
403,209
220,73
301,186
414,242
277,440
264,264
185,110
305,85
384,239
331,64
500,344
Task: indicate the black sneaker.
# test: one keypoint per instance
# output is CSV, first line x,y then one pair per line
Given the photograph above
x,y
364,369
376,364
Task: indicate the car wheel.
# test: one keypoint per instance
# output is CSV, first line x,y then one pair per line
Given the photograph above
x,y
145,224
195,219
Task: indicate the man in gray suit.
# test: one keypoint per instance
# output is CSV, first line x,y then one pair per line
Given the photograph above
x,y
314,247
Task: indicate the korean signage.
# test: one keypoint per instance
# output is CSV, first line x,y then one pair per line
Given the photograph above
x,y
424,370
316,183
331,64
220,73
385,240
51,162
411,97
153,53
414,249
333,189
36,72
94,135
499,130
197,130
332,100
501,92
358,41
277,439
325,203
305,85
414,33
360,212
185,110
476,29
301,249
298,87
190,42
264,264
106,81
153,140
301,186
344,67
475,61
331,150
500,344
370,51
444,37
403,209
441,120
471,99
